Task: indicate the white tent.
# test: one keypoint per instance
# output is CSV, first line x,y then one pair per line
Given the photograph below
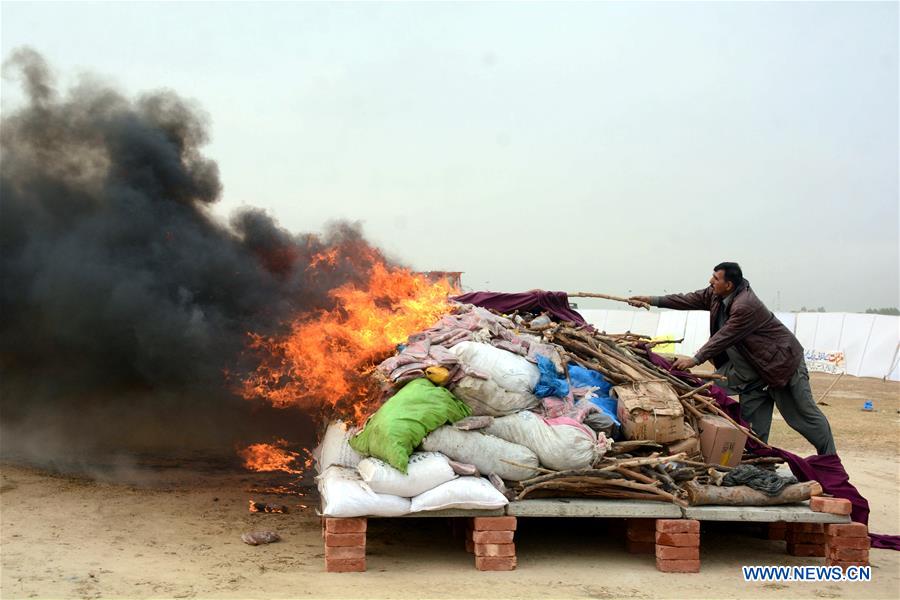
x,y
869,342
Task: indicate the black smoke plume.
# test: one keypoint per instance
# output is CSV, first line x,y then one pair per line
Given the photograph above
x,y
124,302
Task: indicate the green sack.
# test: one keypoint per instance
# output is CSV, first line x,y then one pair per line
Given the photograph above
x,y
402,422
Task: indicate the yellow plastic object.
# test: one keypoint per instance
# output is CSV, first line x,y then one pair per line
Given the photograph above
x,y
437,375
664,348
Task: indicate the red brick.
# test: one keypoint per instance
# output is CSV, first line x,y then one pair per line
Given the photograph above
x,y
800,537
678,539
341,552
847,542
493,537
851,530
493,563
640,547
777,531
806,527
345,539
495,549
677,526
848,554
494,523
641,524
845,563
678,566
834,506
345,565
806,549
356,525
470,546
641,536
677,553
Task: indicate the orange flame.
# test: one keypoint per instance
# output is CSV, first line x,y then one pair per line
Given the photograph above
x,y
271,457
321,364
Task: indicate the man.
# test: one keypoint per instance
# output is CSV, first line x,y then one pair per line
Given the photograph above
x,y
760,357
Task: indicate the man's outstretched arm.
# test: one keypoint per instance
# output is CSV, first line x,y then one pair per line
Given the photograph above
x,y
699,300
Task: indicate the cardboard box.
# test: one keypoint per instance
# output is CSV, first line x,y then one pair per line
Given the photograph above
x,y
650,411
721,442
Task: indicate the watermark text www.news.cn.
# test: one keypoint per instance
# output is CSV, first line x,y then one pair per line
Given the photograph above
x,y
806,573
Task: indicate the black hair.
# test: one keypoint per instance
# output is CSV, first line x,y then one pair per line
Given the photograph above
x,y
733,272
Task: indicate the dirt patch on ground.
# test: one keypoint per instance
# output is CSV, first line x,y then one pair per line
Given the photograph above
x,y
853,427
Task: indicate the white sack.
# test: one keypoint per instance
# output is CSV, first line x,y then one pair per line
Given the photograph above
x,y
426,470
469,493
345,494
484,451
564,445
486,397
510,371
335,449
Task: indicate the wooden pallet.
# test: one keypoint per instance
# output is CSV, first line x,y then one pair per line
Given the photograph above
x,y
670,532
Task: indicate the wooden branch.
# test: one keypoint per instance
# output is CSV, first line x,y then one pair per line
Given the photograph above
x,y
637,476
741,495
691,409
830,387
713,376
649,460
702,388
606,297
571,473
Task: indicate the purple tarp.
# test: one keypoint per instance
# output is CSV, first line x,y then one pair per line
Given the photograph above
x,y
555,303
827,469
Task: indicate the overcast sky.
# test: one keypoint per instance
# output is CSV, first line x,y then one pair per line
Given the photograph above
x,y
604,147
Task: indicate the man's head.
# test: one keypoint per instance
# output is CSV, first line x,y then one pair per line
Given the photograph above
x,y
726,277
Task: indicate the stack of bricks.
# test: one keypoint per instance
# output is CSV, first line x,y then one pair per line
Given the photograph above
x,y
805,539
345,544
640,536
847,545
491,539
678,545
777,531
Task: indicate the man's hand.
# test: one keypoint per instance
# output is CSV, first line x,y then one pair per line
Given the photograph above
x,y
684,363
639,301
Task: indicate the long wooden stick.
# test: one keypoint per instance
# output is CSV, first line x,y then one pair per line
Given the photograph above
x,y
691,408
830,387
713,376
637,462
697,390
637,476
742,495
606,297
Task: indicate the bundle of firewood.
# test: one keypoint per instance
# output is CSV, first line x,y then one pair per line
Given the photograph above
x,y
623,359
641,469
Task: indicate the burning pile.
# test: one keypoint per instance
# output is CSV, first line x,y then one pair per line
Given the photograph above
x,y
483,408
321,366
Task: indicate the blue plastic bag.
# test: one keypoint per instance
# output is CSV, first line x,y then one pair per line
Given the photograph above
x,y
550,384
581,377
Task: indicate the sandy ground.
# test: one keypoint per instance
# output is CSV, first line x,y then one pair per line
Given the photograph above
x,y
176,533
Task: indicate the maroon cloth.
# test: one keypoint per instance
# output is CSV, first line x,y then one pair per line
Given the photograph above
x,y
827,469
555,303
